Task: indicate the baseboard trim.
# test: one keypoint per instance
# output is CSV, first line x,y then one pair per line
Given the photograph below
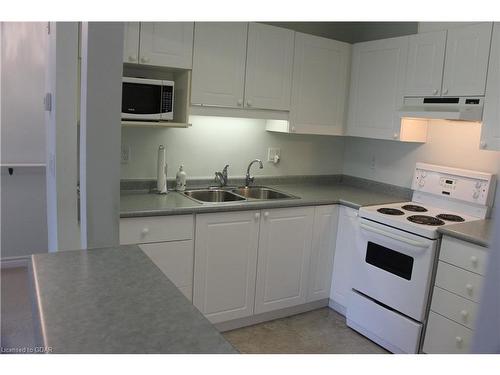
x,y
271,315
334,305
15,262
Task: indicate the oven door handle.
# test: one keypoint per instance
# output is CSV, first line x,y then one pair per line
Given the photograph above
x,y
394,236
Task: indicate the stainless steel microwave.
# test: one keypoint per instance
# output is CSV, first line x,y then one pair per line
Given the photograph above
x,y
147,99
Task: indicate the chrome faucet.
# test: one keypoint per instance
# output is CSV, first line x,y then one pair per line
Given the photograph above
x,y
221,177
248,179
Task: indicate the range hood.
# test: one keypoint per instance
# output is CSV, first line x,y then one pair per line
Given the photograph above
x,y
448,108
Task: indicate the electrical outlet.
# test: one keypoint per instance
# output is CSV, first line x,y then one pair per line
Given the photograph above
x,y
125,157
272,152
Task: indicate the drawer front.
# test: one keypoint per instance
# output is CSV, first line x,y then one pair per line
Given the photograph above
x,y
175,259
444,336
459,281
456,308
464,254
156,229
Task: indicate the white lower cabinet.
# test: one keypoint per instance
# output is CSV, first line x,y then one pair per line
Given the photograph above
x,y
347,233
252,262
284,258
225,264
456,297
323,250
174,259
168,242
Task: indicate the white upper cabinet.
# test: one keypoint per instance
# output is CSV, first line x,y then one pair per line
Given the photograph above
x,y
283,260
490,132
377,87
466,62
320,85
425,64
219,64
269,67
166,44
131,42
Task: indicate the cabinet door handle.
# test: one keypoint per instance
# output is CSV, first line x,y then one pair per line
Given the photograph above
x,y
445,91
483,144
459,340
239,102
145,231
395,136
257,216
144,59
266,214
249,103
132,58
469,288
464,314
435,91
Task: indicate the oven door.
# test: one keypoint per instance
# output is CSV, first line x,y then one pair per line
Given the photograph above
x,y
141,99
394,268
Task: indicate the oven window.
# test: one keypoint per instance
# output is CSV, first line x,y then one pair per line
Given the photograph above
x,y
141,99
389,260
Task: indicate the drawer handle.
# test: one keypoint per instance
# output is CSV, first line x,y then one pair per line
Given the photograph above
x,y
145,231
257,216
464,314
469,288
473,260
266,214
459,340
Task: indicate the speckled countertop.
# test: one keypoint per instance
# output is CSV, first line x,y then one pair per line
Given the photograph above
x,y
478,232
115,300
136,204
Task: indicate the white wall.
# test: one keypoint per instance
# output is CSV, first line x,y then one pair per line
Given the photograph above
x,y
454,144
213,142
23,199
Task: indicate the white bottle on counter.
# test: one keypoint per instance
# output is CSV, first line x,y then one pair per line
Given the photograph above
x,y
180,179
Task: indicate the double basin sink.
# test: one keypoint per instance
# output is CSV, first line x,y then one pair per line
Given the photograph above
x,y
236,194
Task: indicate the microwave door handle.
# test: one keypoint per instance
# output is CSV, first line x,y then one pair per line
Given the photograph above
x,y
394,236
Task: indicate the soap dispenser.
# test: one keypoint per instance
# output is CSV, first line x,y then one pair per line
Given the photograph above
x,y
180,179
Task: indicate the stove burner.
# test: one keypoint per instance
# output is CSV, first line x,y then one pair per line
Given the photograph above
x,y
414,208
450,217
390,211
426,220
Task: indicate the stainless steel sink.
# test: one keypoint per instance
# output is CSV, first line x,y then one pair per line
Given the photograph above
x,y
213,196
261,192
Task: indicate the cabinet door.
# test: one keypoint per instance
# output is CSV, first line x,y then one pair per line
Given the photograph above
x,y
320,84
347,235
219,63
167,44
425,64
268,80
225,264
175,260
323,249
490,132
466,63
284,257
131,42
377,87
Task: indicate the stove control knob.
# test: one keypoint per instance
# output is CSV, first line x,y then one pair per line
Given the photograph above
x,y
478,184
421,182
423,174
475,195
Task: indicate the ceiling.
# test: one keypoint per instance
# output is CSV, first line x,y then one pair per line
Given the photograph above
x,y
352,32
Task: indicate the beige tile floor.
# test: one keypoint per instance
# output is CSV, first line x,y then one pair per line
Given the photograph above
x,y
319,331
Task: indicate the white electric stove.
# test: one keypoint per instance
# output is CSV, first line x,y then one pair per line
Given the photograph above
x,y
397,249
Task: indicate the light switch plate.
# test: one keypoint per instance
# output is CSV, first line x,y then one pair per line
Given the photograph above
x,y
125,157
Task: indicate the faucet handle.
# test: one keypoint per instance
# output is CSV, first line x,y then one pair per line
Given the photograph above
x,y
224,171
